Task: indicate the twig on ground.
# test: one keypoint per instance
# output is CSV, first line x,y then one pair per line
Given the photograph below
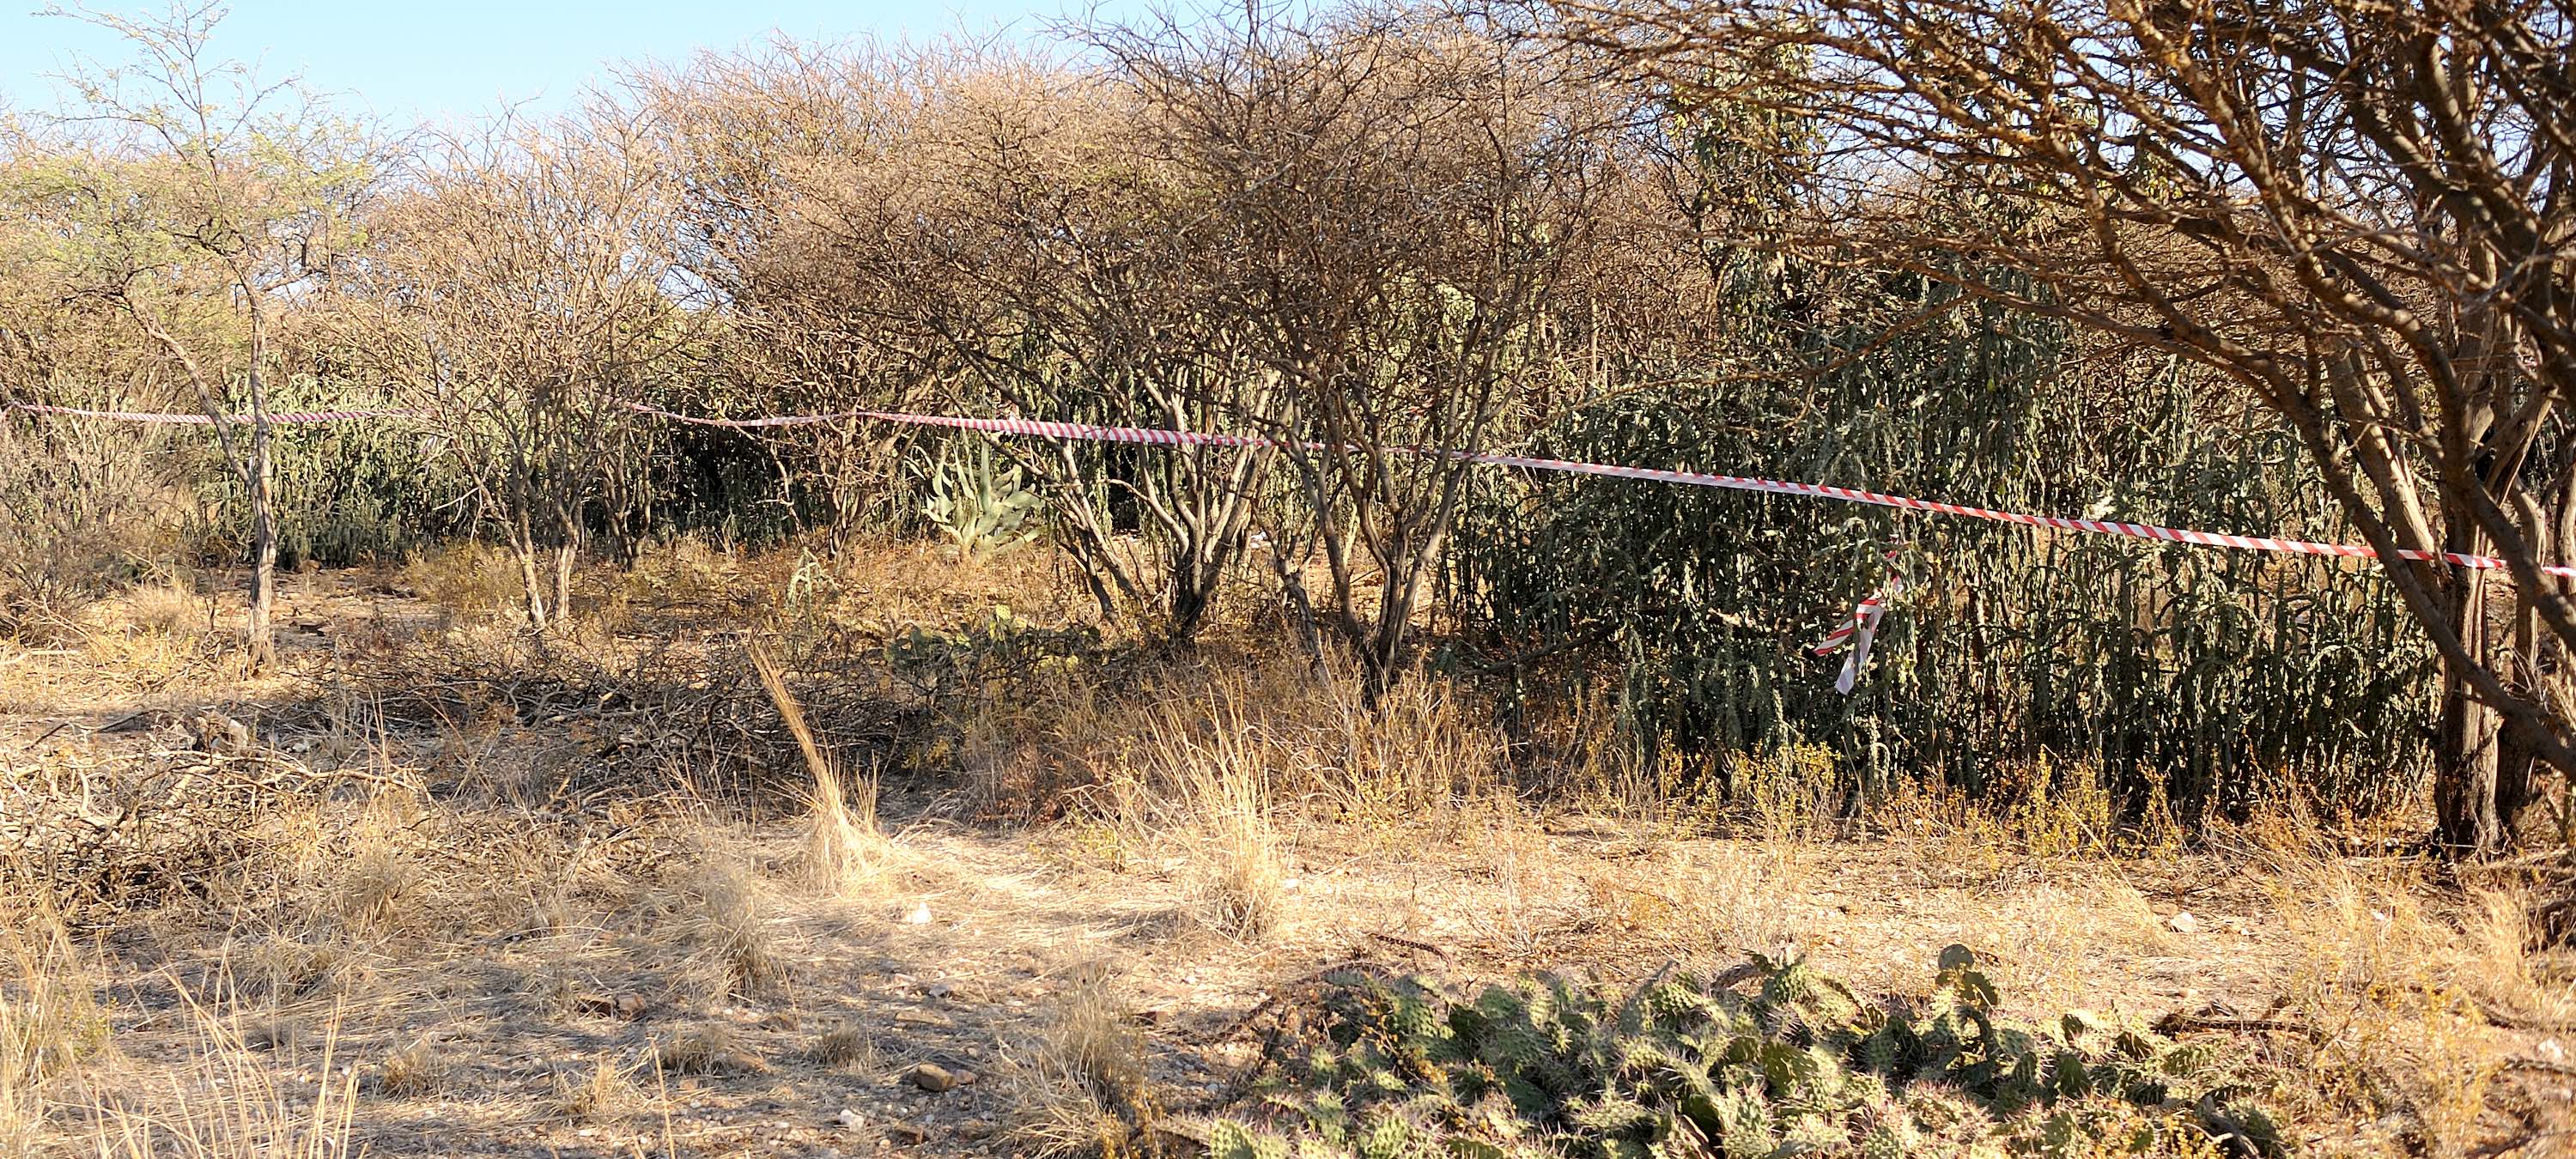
x,y
1410,944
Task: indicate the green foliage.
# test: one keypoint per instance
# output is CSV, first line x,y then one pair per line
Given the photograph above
x,y
1784,1062
2215,678
981,506
976,657
2223,676
344,492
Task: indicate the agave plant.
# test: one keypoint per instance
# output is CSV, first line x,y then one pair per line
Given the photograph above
x,y
984,507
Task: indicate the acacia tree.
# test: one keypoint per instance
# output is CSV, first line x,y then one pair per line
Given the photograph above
x,y
1392,203
794,168
2358,213
203,204
75,497
521,293
1083,290
964,225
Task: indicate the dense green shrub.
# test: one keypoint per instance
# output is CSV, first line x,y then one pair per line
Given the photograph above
x,y
2216,675
348,492
344,492
1784,1062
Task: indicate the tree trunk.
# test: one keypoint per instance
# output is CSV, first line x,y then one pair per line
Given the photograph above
x,y
566,553
523,544
263,525
2481,776
1301,608
2466,753
1189,603
2518,764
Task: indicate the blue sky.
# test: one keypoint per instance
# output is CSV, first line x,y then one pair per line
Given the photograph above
x,y
466,58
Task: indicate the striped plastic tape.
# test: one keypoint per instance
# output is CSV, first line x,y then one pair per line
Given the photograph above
x,y
1160,437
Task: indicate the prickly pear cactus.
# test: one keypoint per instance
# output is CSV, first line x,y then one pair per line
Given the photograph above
x,y
1785,1062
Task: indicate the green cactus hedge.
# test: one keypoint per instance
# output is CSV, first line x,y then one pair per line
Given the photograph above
x,y
1781,1062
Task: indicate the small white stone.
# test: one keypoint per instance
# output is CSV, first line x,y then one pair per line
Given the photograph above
x,y
920,915
2184,923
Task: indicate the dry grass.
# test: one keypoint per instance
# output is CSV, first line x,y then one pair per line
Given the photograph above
x,y
1204,786
519,960
229,1101
2411,996
76,517
1310,746
722,913
600,1093
849,1047
1749,898
50,1023
705,1050
1078,1085
415,1071
379,885
843,847
683,571
467,581
170,607
1236,877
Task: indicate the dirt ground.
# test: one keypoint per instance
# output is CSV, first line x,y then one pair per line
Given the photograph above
x,y
407,966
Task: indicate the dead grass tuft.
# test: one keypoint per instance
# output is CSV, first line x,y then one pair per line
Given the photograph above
x,y
704,1050
725,917
466,581
229,1102
2041,808
599,1094
1746,898
23,1103
279,968
1079,1084
271,1031
2404,988
685,571
169,607
77,517
844,1046
50,1022
378,887
1235,876
1418,747
415,1071
2050,940
843,847
1312,743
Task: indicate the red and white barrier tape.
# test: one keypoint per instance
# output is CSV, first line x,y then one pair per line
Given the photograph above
x,y
199,420
1863,614
1862,629
1056,430
1159,437
1863,617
